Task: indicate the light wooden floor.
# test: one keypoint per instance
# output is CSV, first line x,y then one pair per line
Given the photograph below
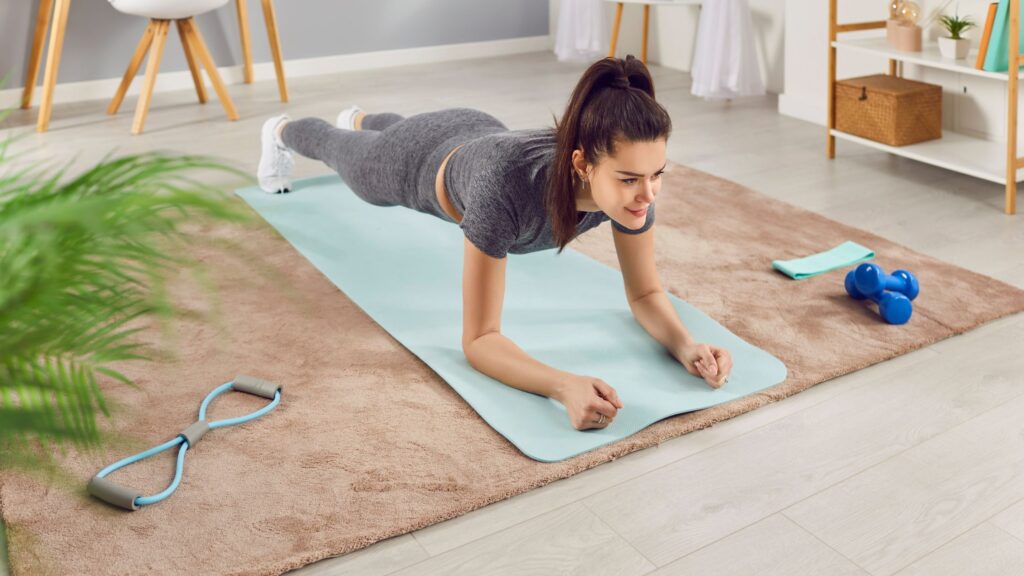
x,y
912,466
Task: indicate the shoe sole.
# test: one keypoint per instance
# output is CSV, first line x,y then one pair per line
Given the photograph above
x,y
278,187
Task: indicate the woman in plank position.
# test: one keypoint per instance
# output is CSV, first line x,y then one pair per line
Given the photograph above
x,y
519,191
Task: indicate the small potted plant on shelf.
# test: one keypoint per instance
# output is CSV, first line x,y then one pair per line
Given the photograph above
x,y
954,46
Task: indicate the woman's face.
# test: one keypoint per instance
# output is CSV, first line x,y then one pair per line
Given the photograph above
x,y
624,185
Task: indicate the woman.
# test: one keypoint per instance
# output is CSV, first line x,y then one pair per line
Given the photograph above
x,y
520,191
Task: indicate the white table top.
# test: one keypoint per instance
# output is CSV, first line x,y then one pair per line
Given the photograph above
x,y
661,2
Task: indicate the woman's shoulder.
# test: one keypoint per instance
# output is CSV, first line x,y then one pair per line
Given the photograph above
x,y
523,158
523,144
518,159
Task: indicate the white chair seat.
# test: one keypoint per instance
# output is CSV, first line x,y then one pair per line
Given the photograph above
x,y
166,9
161,14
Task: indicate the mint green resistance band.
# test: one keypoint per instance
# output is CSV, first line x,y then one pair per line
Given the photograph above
x,y
846,254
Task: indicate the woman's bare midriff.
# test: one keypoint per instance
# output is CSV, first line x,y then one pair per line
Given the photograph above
x,y
442,195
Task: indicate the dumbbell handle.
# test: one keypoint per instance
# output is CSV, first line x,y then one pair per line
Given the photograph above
x,y
895,284
871,279
895,308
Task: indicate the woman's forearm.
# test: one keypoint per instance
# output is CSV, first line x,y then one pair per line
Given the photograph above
x,y
500,358
659,318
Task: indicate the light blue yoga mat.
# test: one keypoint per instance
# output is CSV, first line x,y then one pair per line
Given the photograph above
x,y
404,269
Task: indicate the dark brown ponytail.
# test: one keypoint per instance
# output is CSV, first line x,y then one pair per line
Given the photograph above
x,y
613,100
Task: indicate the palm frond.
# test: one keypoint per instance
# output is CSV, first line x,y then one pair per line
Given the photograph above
x,y
84,259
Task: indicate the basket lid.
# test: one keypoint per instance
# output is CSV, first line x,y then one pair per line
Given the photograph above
x,y
888,84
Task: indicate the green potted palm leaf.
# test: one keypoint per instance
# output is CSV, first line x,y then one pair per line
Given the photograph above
x,y
954,46
83,259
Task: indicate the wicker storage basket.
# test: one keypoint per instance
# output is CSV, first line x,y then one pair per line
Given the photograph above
x,y
887,109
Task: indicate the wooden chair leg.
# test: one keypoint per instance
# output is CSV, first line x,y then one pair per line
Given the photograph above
x,y
275,47
133,68
243,30
60,24
152,67
36,56
193,66
200,50
647,17
615,29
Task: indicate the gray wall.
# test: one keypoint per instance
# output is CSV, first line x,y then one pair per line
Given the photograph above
x,y
100,40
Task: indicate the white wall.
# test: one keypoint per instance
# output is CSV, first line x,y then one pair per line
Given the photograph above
x,y
972,105
673,31
317,37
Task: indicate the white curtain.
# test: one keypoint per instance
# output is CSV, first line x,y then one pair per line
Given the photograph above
x,y
583,31
725,60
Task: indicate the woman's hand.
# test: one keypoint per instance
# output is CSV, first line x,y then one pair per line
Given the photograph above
x,y
711,363
586,398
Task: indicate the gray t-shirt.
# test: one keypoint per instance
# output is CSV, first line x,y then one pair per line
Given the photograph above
x,y
497,182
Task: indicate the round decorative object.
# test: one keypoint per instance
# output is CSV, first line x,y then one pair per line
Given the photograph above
x,y
908,12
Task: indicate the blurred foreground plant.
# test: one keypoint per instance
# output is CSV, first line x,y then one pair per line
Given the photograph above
x,y
80,259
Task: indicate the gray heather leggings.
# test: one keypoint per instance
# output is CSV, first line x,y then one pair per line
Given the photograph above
x,y
391,161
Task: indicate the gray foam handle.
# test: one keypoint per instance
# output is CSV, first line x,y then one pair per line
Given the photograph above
x,y
256,386
195,432
112,493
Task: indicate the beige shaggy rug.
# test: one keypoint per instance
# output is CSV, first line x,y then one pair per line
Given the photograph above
x,y
368,443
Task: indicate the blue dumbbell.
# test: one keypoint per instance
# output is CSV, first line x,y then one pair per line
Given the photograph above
x,y
851,286
894,307
871,279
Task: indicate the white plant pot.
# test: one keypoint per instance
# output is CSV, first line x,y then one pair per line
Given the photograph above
x,y
954,49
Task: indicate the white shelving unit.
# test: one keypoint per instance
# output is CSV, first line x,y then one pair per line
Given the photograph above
x,y
954,151
993,161
928,56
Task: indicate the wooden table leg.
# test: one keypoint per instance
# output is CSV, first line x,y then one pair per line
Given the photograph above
x,y
60,23
152,67
243,31
140,52
830,140
615,29
275,47
1013,85
200,50
193,65
36,56
643,49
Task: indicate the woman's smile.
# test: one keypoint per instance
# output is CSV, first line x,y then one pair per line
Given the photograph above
x,y
638,213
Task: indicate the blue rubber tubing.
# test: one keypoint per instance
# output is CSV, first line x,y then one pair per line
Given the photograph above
x,y
146,500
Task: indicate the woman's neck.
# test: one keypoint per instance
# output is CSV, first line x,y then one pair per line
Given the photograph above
x,y
584,199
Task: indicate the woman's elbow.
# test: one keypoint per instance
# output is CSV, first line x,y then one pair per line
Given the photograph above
x,y
471,347
468,349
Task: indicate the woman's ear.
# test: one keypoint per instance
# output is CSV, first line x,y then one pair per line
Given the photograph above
x,y
579,163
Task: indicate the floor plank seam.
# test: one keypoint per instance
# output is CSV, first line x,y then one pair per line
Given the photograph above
x,y
1005,531
937,548
859,472
420,546
624,539
823,543
484,536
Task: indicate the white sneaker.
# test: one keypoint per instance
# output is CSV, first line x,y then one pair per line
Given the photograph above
x,y
347,118
276,161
